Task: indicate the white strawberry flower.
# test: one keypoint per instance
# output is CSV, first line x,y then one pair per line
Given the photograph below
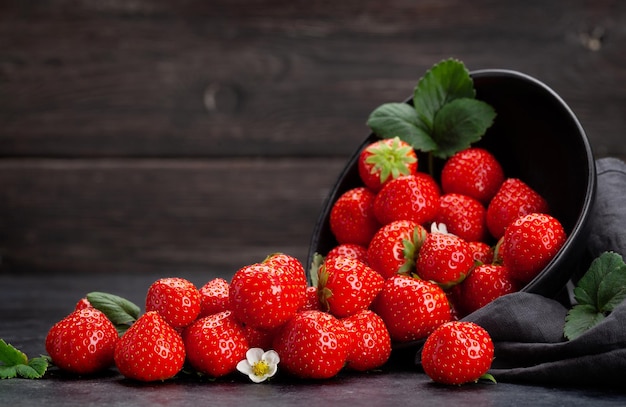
x,y
259,365
439,228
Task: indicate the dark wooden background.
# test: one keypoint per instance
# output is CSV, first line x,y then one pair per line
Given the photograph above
x,y
196,135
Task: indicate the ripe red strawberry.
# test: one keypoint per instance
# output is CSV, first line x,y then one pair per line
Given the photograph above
x,y
312,345
290,269
473,172
445,259
312,300
214,297
82,304
352,217
484,284
529,244
411,308
371,343
514,199
409,197
482,253
215,344
394,247
457,352
347,286
258,338
150,350
176,299
384,160
463,216
83,342
355,251
265,295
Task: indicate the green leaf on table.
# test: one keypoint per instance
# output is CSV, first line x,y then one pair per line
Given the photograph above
x,y
121,312
597,293
14,363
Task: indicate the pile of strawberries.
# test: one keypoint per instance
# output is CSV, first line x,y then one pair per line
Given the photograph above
x,y
412,257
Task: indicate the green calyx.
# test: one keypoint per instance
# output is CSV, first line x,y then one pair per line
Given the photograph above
x,y
390,159
411,248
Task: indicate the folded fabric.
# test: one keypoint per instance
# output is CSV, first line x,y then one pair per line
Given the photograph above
x,y
527,329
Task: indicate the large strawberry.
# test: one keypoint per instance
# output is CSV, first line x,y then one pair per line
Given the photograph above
x,y
215,344
409,197
371,343
347,286
530,243
394,247
384,160
457,352
514,199
444,258
463,216
176,299
312,345
83,342
352,218
473,172
411,308
484,284
150,350
214,297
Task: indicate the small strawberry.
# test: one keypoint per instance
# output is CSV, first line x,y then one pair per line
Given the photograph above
x,y
444,258
347,286
312,300
529,244
176,299
214,297
482,253
411,308
265,295
352,217
150,350
473,172
514,199
82,304
457,352
83,342
355,251
215,344
258,338
484,284
394,247
371,343
313,345
384,160
463,216
409,197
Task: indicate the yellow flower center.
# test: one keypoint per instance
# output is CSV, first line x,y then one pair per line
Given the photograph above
x,y
260,368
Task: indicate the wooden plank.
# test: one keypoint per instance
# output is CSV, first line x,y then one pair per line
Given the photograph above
x,y
214,79
157,215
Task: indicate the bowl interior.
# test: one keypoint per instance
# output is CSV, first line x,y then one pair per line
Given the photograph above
x,y
538,139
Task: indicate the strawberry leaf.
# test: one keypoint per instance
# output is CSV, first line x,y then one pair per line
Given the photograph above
x,y
121,312
597,293
14,363
401,120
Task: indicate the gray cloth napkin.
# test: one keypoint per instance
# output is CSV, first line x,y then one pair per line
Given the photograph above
x,y
527,329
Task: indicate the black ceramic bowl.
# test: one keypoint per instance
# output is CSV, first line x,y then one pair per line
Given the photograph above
x,y
537,138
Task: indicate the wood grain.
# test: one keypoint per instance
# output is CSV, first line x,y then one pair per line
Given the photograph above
x,y
147,134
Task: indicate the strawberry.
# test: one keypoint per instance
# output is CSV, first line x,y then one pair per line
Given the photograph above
x,y
457,352
394,247
482,253
484,284
371,343
258,338
347,286
411,308
83,342
176,299
215,344
312,345
529,244
474,172
312,300
355,251
150,350
463,216
214,297
444,258
384,160
82,304
265,295
514,199
409,197
352,217
290,268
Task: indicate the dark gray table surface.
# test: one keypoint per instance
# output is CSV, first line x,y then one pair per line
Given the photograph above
x,y
31,304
